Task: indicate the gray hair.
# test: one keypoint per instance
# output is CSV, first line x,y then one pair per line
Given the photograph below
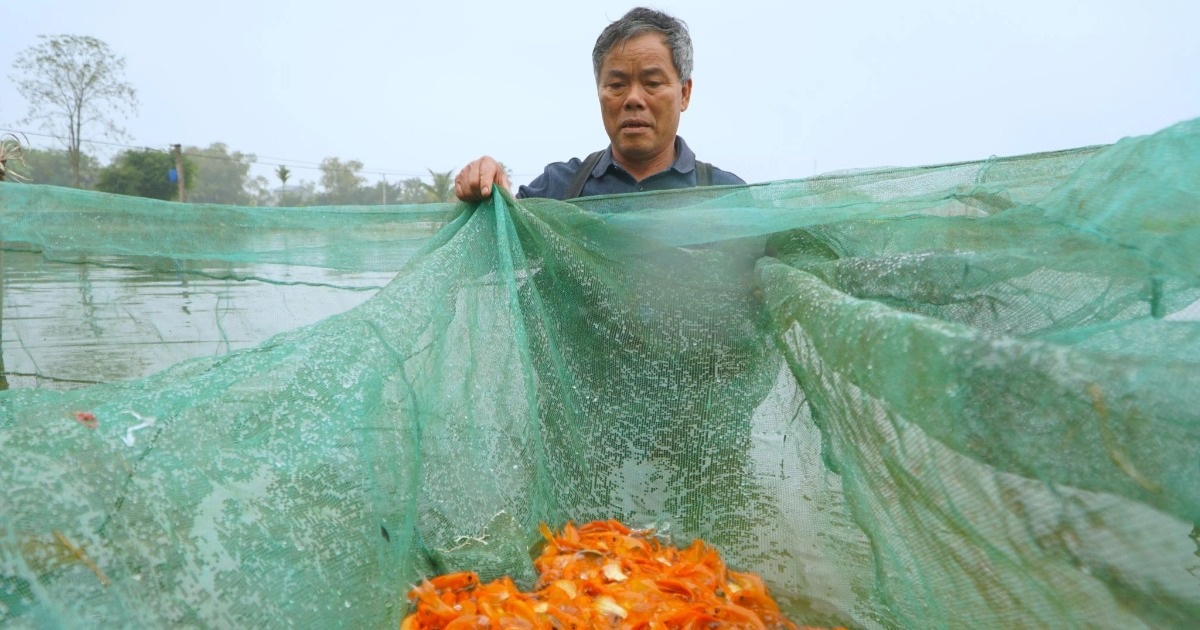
x,y
642,20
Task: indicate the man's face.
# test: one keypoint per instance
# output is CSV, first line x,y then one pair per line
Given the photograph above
x,y
641,98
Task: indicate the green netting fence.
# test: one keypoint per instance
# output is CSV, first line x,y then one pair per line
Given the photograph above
x,y
956,396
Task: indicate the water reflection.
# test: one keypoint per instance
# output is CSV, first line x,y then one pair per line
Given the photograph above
x,y
68,324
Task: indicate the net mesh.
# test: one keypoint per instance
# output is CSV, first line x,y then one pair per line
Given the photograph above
x,y
945,396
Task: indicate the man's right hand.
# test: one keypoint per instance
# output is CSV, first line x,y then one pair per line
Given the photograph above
x,y
474,182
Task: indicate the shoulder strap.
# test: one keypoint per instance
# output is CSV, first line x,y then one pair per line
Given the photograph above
x,y
703,173
582,175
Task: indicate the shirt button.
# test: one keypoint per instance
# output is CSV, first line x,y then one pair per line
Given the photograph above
x,y
640,187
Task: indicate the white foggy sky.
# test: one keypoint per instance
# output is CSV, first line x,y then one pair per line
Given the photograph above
x,y
782,89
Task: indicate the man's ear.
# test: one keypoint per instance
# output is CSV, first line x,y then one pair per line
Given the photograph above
x,y
687,95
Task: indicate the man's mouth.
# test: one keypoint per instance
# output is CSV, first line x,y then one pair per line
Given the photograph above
x,y
635,124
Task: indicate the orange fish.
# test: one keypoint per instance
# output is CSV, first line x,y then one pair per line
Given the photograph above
x,y
603,574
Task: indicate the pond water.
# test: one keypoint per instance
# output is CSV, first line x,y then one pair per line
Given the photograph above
x,y
69,324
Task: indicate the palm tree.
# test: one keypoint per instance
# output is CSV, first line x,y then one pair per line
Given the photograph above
x,y
283,174
11,149
442,188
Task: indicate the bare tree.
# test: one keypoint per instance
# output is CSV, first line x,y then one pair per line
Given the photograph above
x,y
73,82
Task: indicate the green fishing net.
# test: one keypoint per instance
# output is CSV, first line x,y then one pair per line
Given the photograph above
x,y
955,396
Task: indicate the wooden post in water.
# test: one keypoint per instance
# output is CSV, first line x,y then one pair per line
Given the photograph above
x,y
3,372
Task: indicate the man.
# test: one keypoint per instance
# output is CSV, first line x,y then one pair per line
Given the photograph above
x,y
643,68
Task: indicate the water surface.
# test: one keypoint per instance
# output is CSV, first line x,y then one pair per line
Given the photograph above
x,y
72,323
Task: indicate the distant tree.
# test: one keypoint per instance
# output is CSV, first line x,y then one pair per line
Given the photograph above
x,y
144,173
259,190
221,176
71,83
283,174
408,191
344,185
53,167
385,192
441,188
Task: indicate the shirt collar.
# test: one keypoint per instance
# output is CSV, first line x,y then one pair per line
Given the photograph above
x,y
685,159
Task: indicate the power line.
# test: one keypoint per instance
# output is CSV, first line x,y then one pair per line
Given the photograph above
x,y
112,144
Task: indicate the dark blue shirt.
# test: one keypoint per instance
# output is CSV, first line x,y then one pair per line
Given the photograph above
x,y
608,178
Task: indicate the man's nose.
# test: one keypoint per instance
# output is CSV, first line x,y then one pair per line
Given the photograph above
x,y
635,98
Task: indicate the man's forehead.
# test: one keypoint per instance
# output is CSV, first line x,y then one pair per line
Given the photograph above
x,y
643,68
648,50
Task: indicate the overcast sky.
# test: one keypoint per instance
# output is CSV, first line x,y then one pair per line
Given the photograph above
x,y
782,89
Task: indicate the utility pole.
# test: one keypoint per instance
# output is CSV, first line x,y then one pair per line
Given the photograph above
x,y
384,190
177,151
